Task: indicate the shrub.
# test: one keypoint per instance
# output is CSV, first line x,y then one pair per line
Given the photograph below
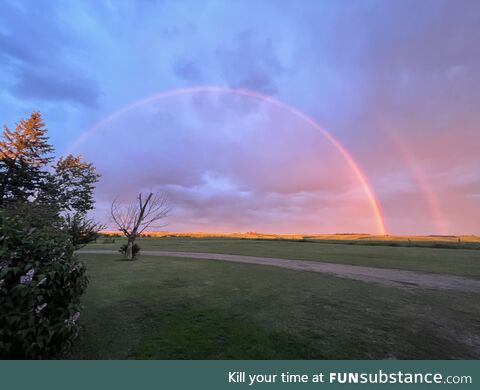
x,y
40,287
135,250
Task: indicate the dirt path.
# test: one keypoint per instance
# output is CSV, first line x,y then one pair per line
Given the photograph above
x,y
384,276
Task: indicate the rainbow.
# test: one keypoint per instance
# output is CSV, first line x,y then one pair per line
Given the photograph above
x,y
421,179
359,174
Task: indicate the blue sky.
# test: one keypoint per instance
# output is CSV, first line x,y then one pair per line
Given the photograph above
x,y
397,83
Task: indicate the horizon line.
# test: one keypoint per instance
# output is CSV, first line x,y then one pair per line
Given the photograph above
x,y
255,233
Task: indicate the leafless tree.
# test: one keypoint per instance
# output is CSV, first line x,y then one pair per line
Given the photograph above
x,y
134,218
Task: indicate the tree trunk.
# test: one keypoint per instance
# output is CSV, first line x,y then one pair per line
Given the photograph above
x,y
129,253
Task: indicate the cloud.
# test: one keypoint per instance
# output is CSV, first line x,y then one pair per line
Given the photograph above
x,y
34,56
247,62
49,85
265,170
10,49
187,70
399,90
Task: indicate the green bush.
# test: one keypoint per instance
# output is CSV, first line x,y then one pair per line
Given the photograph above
x,y
135,250
40,287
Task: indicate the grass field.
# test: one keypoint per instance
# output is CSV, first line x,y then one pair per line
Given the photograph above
x,y
170,308
461,262
432,241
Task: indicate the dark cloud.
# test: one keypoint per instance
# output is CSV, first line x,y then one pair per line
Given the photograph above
x,y
33,48
420,65
187,70
249,63
48,85
12,49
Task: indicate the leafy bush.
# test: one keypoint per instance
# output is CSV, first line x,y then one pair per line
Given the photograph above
x,y
135,250
40,287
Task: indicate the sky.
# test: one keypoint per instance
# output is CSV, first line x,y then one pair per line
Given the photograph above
x,y
306,116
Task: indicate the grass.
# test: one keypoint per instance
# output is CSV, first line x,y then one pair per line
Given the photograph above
x,y
461,262
167,308
433,241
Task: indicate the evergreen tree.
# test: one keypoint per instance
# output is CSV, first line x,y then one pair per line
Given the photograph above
x,y
24,155
58,197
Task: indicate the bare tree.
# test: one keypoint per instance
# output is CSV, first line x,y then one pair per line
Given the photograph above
x,y
134,218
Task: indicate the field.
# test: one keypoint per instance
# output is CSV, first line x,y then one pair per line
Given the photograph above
x,y
432,241
462,262
171,308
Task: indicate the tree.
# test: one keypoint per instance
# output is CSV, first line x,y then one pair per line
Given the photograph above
x,y
137,216
24,153
56,197
74,184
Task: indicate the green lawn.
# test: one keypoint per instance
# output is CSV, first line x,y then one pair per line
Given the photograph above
x,y
462,262
170,308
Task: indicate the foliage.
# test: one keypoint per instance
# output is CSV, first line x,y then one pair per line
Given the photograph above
x,y
23,154
56,197
135,250
75,183
80,229
40,287
75,180
43,210
34,214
